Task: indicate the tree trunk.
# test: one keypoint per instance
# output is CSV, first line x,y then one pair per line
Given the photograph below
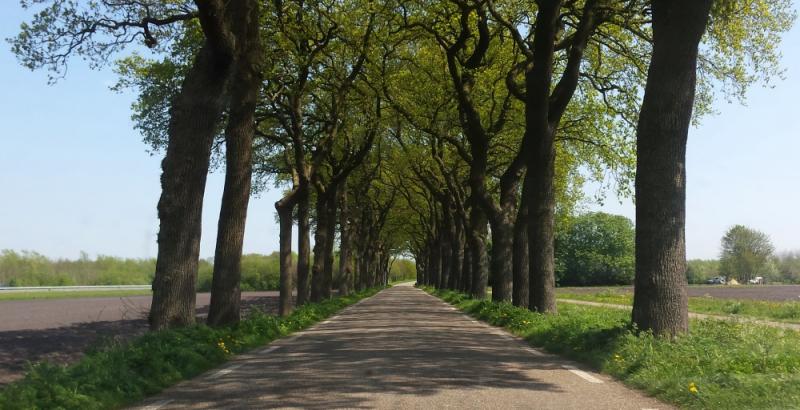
x,y
540,161
332,204
224,308
502,255
345,261
303,245
660,300
521,286
457,247
446,242
466,267
480,268
285,208
320,243
194,116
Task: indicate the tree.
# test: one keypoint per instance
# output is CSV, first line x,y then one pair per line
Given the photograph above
x,y
595,249
660,302
745,253
244,96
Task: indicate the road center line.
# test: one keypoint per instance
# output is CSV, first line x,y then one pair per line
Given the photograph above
x,y
582,374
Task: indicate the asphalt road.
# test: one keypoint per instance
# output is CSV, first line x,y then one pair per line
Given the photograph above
x,y
401,349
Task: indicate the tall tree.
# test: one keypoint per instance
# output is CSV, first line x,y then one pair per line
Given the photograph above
x,y
745,253
244,92
660,301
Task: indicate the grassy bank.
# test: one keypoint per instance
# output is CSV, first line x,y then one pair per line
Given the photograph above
x,y
117,375
72,294
761,309
718,365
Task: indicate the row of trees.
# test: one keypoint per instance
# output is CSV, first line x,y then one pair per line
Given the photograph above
x,y
417,126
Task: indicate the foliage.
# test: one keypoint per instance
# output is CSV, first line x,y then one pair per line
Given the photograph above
x,y
33,269
788,267
117,375
596,248
746,253
259,272
402,269
719,364
699,271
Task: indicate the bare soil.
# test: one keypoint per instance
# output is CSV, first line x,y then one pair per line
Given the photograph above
x,y
61,330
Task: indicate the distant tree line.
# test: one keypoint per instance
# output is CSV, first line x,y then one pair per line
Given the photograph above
x,y
259,272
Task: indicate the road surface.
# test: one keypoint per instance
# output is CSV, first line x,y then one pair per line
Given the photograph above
x,y
401,349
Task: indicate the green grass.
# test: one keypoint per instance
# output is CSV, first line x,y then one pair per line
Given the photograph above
x,y
761,309
72,294
116,375
733,365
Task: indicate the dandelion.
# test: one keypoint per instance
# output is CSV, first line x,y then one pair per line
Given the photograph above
x,y
221,345
692,388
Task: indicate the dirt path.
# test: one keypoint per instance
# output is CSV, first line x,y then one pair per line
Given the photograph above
x,y
401,349
794,326
60,330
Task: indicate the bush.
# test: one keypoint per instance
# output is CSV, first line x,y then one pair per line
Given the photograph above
x,y
595,249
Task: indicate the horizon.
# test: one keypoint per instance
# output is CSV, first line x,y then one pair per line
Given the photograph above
x,y
78,177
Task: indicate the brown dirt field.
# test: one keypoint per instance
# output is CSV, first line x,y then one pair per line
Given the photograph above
x,y
760,292
60,330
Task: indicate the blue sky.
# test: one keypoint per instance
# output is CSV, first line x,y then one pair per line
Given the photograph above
x,y
75,176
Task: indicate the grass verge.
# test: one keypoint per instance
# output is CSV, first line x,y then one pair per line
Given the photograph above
x,y
117,375
759,309
72,294
719,364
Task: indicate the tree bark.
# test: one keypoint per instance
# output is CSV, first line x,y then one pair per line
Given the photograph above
x,y
521,286
320,243
660,300
540,160
345,260
466,267
502,256
285,208
457,248
303,245
194,116
224,308
480,268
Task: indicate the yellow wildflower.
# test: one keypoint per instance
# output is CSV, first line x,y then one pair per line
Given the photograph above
x,y
692,388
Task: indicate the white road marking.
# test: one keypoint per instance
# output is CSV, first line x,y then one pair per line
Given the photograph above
x,y
227,370
534,352
582,374
269,349
157,405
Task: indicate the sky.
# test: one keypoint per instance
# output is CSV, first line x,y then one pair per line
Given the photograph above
x,y
75,176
